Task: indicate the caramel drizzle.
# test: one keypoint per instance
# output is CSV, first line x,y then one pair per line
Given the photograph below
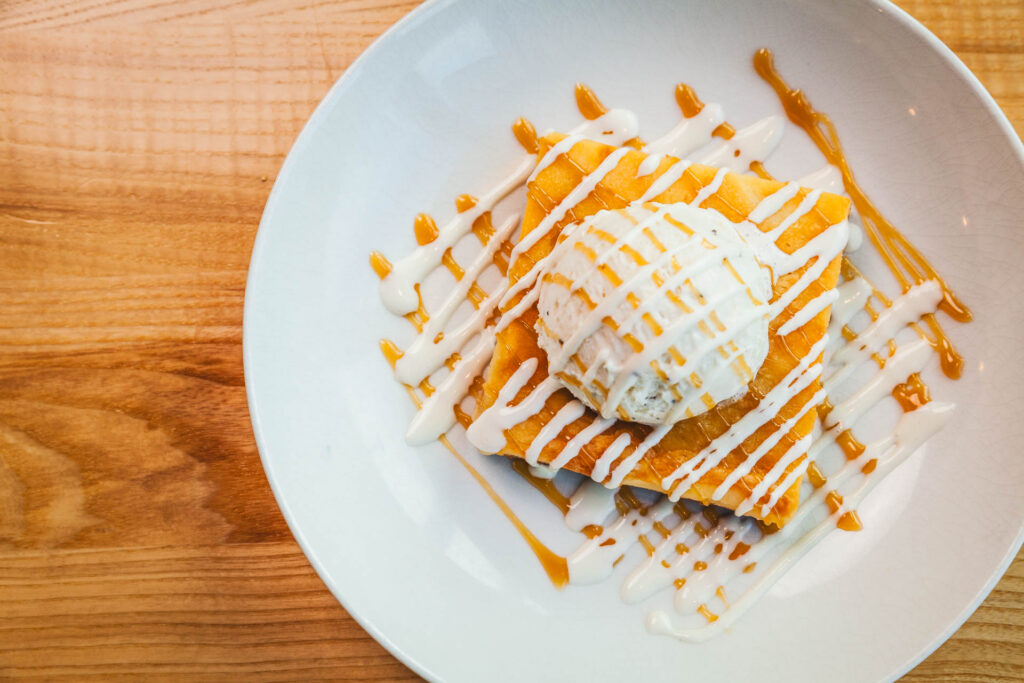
x,y
689,103
419,317
465,202
815,476
739,551
425,229
948,356
904,260
912,394
880,230
586,101
724,131
380,264
759,170
849,521
546,486
834,501
391,352
852,448
707,614
526,135
555,566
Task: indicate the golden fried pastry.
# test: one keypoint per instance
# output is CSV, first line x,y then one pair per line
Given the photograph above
x,y
740,451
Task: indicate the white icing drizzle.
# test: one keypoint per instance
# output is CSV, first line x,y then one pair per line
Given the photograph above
x,y
590,502
762,449
610,455
397,290
542,472
754,143
798,379
435,415
918,301
770,205
913,429
850,299
779,488
710,188
689,134
811,521
572,449
907,360
426,355
827,178
830,179
649,165
626,466
569,413
708,540
575,196
802,209
488,431
824,247
592,321
655,348
665,180
811,309
580,192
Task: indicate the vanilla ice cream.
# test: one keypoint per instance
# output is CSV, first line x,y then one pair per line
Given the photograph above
x,y
654,313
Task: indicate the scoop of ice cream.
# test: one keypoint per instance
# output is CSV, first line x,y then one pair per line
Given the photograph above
x,y
654,313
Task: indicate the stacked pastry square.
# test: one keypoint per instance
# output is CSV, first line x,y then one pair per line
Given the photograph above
x,y
664,326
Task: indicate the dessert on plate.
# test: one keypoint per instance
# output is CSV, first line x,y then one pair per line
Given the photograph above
x,y
667,299
688,333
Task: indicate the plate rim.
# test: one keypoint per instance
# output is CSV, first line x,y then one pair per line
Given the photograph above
x,y
303,139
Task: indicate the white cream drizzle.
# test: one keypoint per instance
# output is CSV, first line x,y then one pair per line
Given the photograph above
x,y
797,537
798,379
594,503
689,134
649,165
811,309
435,412
754,143
397,290
795,540
487,432
425,354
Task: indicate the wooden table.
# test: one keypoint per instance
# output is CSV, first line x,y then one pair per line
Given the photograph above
x,y
138,142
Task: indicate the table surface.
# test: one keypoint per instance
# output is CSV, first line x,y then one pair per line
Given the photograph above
x,y
138,142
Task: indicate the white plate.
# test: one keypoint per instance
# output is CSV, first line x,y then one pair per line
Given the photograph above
x,y
412,546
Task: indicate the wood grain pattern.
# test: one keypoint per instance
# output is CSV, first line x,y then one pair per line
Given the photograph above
x,y
138,142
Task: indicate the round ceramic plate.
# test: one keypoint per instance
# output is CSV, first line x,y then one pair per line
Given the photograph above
x,y
410,543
